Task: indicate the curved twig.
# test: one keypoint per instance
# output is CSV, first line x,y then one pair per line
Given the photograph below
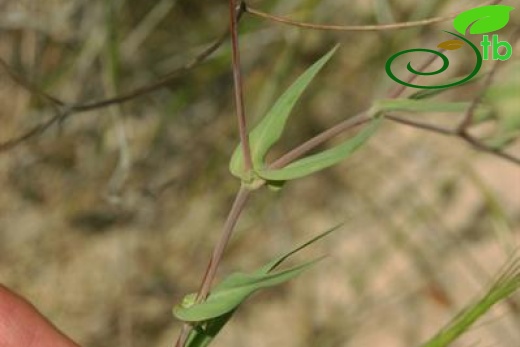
x,y
34,131
74,108
330,27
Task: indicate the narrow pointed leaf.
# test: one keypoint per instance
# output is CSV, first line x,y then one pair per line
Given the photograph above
x,y
322,160
233,291
270,128
418,106
203,335
278,261
483,20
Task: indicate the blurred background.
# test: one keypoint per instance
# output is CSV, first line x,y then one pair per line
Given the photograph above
x,y
108,218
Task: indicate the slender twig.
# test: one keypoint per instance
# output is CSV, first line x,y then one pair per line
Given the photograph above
x,y
29,86
216,257
160,83
317,140
420,125
36,130
238,87
231,221
328,27
469,115
243,193
488,149
75,108
455,133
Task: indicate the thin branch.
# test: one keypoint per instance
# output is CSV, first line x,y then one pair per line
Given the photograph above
x,y
476,144
237,82
420,125
469,115
74,108
492,150
227,231
317,140
29,86
328,27
35,131
160,83
216,257
243,194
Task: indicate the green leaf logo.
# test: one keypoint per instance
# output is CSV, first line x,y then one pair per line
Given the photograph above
x,y
482,20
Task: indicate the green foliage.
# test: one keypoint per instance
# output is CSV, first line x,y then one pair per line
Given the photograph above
x,y
424,106
270,128
322,160
211,315
232,292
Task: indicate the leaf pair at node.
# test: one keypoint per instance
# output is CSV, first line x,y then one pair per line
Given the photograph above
x,y
270,129
210,316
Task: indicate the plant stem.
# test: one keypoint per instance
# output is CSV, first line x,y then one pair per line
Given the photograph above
x,y
211,271
469,139
319,139
238,87
231,221
470,112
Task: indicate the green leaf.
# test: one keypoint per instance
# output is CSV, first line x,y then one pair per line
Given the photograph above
x,y
322,160
418,106
270,128
203,335
278,261
482,20
236,288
